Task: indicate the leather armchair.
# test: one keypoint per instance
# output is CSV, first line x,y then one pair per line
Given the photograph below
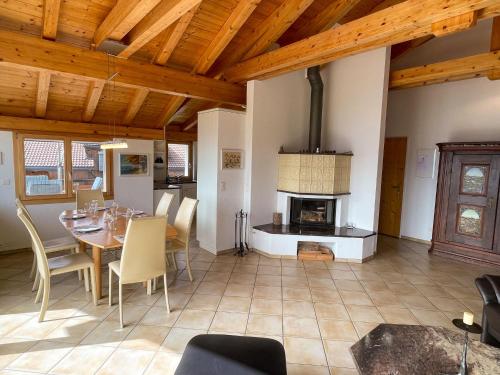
x,y
489,287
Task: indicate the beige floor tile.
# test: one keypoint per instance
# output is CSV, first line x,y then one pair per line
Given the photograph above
x,y
12,348
268,270
203,302
364,314
375,286
229,322
431,317
195,319
200,266
9,322
304,351
325,295
447,304
272,262
73,330
163,363
245,268
352,285
331,311
293,272
265,306
397,315
158,316
294,281
318,273
145,338
337,266
267,292
211,288
239,290
235,304
321,283
32,329
41,357
221,267
126,361
417,302
385,298
265,324
355,298
432,291
293,369
268,280
337,330
338,353
314,265
403,289
300,327
242,278
108,333
216,277
292,263
302,309
342,274
83,360
296,294
100,312
132,314
178,338
363,328
343,371
140,297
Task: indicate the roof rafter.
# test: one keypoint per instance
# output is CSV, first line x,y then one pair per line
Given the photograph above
x,y
405,21
135,105
51,10
93,96
42,93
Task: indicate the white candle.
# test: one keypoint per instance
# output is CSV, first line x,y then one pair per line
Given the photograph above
x,y
468,318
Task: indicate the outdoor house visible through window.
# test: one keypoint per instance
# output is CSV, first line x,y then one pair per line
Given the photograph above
x,y
179,163
44,173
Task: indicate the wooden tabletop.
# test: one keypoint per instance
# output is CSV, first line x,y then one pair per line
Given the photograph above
x,y
104,238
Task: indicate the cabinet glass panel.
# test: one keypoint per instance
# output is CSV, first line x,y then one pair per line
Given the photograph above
x,y
474,179
470,220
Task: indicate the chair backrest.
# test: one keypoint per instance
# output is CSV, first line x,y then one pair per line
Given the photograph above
x,y
143,254
86,196
184,219
97,183
21,205
41,257
164,204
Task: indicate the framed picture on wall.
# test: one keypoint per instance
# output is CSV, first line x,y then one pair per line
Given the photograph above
x,y
134,165
232,159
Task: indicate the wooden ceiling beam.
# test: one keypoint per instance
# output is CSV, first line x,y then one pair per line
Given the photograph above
x,y
191,125
35,54
454,24
161,17
135,105
45,126
481,65
93,96
173,36
51,10
495,34
322,21
405,21
169,110
122,18
42,93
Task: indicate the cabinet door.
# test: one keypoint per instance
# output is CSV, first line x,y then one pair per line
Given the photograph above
x,y
473,200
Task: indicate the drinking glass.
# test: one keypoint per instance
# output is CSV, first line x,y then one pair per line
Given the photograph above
x,y
93,208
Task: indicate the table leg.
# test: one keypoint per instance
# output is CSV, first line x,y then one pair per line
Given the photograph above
x,y
96,256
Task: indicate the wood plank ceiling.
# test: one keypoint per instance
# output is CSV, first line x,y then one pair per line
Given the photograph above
x,y
180,49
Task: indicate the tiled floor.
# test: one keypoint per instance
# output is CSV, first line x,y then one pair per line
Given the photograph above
x,y
316,309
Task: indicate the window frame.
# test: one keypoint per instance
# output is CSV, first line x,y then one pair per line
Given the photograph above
x,y
68,195
189,177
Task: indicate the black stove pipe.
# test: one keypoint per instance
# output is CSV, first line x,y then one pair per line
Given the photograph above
x,y
316,113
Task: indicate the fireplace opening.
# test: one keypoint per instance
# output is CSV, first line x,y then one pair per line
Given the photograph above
x,y
312,212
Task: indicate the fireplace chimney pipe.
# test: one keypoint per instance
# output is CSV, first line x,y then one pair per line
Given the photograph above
x,y
316,113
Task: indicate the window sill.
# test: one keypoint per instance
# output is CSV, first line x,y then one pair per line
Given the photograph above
x,y
52,200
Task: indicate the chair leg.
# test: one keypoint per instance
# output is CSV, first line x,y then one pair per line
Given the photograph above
x,y
166,293
40,289
149,287
110,287
155,280
120,305
36,282
92,282
188,266
86,279
174,261
33,267
45,300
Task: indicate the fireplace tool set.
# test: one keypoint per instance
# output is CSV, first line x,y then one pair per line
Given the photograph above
x,y
240,233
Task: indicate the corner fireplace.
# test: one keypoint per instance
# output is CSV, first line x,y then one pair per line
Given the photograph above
x,y
313,212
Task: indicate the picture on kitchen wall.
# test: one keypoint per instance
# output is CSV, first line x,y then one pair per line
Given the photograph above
x,y
232,159
134,165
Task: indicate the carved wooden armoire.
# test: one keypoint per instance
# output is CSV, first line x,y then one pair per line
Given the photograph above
x,y
467,213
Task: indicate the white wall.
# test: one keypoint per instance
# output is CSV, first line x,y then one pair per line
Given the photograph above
x,y
220,192
277,115
137,191
467,110
355,104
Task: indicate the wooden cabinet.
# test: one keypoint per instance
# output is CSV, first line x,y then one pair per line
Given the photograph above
x,y
467,215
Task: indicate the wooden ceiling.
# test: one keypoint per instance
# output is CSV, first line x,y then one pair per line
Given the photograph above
x,y
177,57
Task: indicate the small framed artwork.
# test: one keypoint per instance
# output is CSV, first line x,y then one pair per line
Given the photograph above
x,y
232,159
134,164
426,160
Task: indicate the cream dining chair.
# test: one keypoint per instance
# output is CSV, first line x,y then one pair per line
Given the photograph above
x,y
182,224
51,246
164,204
143,256
87,196
55,266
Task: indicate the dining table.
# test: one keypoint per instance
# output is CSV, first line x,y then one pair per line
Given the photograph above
x,y
108,236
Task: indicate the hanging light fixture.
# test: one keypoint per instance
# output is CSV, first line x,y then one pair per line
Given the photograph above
x,y
115,143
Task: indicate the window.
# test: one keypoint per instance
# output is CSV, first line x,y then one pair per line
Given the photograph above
x,y
179,160
44,173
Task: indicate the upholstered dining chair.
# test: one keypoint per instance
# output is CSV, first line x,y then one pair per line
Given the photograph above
x,y
51,246
164,204
143,256
87,196
182,224
55,266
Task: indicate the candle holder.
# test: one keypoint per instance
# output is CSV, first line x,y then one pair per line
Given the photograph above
x,y
474,328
